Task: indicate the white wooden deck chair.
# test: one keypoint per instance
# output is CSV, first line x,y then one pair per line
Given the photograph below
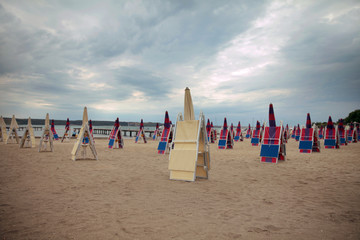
x,y
190,157
3,132
85,140
13,136
46,137
28,139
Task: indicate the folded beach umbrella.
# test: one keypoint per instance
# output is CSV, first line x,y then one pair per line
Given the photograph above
x,y
308,141
255,140
272,145
188,106
331,138
342,132
166,136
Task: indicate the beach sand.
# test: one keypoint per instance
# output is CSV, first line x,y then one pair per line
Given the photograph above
x,y
127,194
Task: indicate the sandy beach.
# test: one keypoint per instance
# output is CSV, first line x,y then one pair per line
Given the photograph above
x,y
127,194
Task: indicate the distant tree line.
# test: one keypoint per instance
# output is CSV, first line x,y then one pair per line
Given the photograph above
x,y
354,116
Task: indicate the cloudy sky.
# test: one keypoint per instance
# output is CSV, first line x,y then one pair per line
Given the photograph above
x,y
133,59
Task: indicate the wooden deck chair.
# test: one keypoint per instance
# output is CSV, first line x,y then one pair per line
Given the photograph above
x,y
56,136
141,133
3,131
331,137
342,133
190,158
321,132
66,136
13,136
156,133
255,140
166,136
85,140
115,138
351,134
272,145
238,134
28,138
308,142
46,137
248,132
225,139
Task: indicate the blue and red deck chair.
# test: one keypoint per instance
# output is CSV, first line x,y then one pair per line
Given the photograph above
x,y
213,136
166,136
232,131
208,130
67,131
286,133
238,134
331,138
342,133
141,133
309,138
156,132
297,133
256,136
248,132
272,145
56,137
351,134
321,132
358,131
293,133
115,138
91,129
225,141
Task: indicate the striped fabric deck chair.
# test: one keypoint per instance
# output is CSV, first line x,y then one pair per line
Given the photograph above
x,y
286,133
307,142
225,141
166,136
297,133
351,134
232,131
238,134
256,136
156,132
141,133
357,132
56,136
67,131
272,145
321,132
115,138
331,137
248,132
208,130
342,133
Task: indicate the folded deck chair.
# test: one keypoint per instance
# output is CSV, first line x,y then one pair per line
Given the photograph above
x,y
297,133
342,133
28,138
293,133
357,132
248,132
321,132
84,141
309,138
351,134
190,157
208,130
286,133
141,133
331,137
115,138
56,136
166,136
66,136
3,132
13,136
238,134
256,136
156,132
272,146
46,137
225,139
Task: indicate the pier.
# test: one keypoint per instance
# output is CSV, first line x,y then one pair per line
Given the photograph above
x,y
102,131
23,128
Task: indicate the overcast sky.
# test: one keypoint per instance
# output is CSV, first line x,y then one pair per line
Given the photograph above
x,y
133,59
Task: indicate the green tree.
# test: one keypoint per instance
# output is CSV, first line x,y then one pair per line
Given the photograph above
x,y
353,117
